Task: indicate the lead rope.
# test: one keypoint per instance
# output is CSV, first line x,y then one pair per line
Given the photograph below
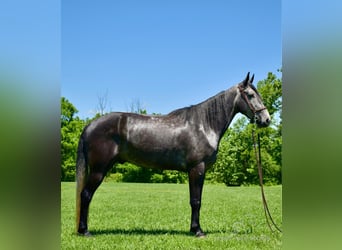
x,y
258,160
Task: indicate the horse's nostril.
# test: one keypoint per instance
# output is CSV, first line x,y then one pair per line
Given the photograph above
x,y
268,121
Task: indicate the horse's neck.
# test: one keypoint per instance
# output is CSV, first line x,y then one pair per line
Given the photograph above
x,y
220,110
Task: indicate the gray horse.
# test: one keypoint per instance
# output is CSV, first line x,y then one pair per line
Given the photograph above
x,y
186,139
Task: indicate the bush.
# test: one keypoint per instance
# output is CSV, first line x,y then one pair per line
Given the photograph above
x,y
68,171
133,173
157,178
116,177
129,172
173,176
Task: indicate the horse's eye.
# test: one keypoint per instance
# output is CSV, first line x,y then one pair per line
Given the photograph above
x,y
250,95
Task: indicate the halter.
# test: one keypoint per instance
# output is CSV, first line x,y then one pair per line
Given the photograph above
x,y
254,110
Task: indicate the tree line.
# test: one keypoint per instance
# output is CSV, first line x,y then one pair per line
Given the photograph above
x,y
235,165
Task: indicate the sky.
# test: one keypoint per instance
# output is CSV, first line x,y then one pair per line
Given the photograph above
x,y
165,54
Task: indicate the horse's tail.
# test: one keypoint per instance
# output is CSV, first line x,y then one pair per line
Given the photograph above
x,y
81,177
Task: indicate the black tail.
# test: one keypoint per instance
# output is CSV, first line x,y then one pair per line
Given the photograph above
x,y
81,177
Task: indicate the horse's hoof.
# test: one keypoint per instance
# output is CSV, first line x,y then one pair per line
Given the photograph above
x,y
85,234
200,235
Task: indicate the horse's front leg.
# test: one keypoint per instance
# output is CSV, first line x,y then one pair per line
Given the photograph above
x,y
196,180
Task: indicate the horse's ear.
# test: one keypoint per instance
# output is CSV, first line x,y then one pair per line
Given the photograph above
x,y
246,81
251,81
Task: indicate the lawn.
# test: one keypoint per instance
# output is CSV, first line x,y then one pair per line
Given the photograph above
x,y
157,216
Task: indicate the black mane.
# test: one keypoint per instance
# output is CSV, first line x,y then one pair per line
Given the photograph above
x,y
208,111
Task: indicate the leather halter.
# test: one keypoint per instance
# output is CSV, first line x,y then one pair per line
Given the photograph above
x,y
254,110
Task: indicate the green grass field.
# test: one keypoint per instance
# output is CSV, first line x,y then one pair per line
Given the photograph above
x,y
157,216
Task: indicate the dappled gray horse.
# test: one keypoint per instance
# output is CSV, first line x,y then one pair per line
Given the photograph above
x,y
186,139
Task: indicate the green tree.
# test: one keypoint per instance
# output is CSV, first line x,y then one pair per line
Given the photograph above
x,y
67,111
71,128
271,92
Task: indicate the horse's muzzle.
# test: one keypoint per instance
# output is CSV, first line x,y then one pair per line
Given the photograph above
x,y
263,123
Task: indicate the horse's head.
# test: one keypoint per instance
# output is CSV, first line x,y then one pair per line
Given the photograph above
x,y
250,103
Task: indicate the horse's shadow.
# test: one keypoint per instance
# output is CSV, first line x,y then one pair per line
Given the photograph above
x,y
139,231
142,231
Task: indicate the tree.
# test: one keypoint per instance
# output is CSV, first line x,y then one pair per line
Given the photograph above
x,y
102,103
71,128
67,111
271,92
137,107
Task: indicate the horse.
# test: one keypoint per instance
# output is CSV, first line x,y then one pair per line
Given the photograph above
x,y
186,139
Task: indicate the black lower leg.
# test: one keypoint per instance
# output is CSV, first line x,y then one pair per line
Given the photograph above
x,y
94,181
196,180
195,214
86,197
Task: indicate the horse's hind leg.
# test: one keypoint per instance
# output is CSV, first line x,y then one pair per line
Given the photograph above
x,y
100,162
94,181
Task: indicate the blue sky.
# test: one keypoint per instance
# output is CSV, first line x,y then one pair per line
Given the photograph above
x,y
166,54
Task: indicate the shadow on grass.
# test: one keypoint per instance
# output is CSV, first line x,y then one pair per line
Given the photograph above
x,y
141,231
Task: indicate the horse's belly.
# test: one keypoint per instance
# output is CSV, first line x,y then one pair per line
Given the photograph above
x,y
155,157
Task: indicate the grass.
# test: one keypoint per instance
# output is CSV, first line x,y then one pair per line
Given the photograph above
x,y
157,216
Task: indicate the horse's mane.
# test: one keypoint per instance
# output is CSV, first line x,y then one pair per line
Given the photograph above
x,y
206,111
